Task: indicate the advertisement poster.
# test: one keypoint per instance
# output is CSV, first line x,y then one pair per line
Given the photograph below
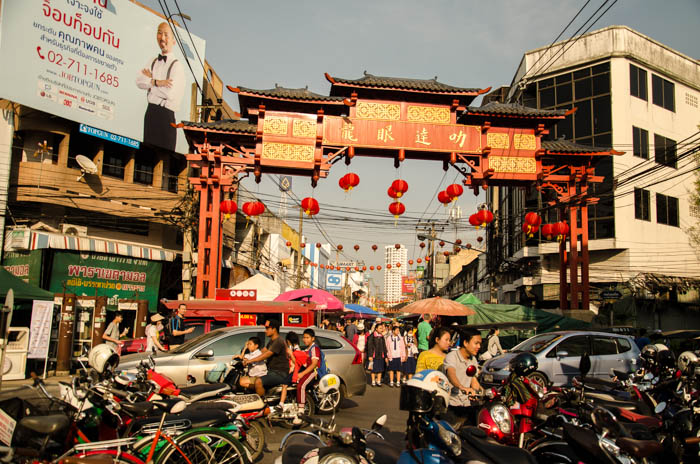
x,y
97,62
40,329
408,285
334,280
116,277
25,265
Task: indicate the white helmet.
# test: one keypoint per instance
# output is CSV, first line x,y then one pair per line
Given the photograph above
x,y
426,391
661,347
103,358
686,361
329,382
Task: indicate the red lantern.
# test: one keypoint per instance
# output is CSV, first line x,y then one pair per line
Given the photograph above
x,y
427,258
410,261
419,260
357,247
397,209
400,187
547,231
457,249
474,220
388,266
352,180
374,247
446,253
444,198
422,244
398,264
357,268
379,268
364,268
458,241
442,244
533,219
310,206
289,243
454,191
318,245
480,239
343,183
302,245
561,230
253,208
340,247
322,266
397,246
393,193
371,268
348,269
227,208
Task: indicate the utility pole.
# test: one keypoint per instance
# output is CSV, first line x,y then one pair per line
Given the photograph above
x,y
430,229
300,256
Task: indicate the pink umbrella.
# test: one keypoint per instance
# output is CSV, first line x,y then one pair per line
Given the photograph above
x,y
438,306
324,300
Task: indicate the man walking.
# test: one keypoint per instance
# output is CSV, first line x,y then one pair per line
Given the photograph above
x,y
350,329
177,332
112,335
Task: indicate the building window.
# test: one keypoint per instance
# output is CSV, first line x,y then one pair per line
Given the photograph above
x,y
667,210
143,170
638,82
662,92
665,151
642,201
640,143
82,144
116,157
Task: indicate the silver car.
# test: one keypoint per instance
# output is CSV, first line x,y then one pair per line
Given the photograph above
x,y
559,353
189,363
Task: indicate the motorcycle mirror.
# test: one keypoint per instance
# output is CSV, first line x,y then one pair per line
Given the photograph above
x,y
585,365
471,370
379,423
661,407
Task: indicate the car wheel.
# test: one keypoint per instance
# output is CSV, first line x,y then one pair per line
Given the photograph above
x,y
540,378
330,402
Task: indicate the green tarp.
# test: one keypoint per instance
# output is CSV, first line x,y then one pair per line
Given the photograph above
x,y
546,322
21,289
468,299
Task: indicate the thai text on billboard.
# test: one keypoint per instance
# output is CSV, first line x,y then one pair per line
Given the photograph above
x,y
110,64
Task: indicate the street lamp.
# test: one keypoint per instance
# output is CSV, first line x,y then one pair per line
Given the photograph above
x,y
182,15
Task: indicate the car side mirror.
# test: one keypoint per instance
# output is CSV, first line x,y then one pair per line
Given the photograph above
x,y
562,354
585,365
205,354
379,423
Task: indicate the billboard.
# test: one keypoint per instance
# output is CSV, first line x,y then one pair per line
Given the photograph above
x,y
334,280
408,285
106,63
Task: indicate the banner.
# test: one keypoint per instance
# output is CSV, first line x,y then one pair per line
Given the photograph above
x,y
408,285
95,274
25,265
93,62
40,329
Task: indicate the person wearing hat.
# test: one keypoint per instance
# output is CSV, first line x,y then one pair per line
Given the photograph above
x,y
153,333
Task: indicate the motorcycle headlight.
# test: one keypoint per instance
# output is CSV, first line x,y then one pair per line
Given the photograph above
x,y
337,459
451,439
501,416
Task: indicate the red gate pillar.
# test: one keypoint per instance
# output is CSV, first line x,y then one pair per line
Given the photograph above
x,y
585,261
573,248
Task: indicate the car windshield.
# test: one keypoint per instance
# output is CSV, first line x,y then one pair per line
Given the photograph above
x,y
536,343
189,344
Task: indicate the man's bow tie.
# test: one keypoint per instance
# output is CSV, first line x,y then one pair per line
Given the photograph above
x,y
162,58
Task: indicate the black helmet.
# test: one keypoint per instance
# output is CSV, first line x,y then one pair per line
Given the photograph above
x,y
666,359
649,353
523,364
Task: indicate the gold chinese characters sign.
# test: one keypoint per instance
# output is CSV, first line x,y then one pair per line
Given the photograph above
x,y
513,164
288,138
407,135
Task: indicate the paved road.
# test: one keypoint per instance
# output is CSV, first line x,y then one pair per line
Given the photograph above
x,y
360,411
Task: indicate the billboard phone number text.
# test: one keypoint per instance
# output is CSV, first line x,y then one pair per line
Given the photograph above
x,y
58,59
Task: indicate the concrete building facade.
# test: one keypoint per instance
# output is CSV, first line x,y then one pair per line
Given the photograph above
x,y
393,276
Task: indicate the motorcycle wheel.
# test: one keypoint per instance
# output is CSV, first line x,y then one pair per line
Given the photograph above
x,y
255,440
328,403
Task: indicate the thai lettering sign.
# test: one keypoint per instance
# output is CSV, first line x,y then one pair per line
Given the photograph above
x,y
95,274
24,264
94,62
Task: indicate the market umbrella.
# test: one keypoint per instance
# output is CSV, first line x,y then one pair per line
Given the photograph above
x,y
438,306
359,311
324,300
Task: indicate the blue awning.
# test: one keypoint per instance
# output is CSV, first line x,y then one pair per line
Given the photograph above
x,y
362,310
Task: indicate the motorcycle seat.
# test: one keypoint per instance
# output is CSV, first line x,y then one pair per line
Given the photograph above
x,y
647,421
205,390
45,425
168,404
640,448
140,409
475,437
196,418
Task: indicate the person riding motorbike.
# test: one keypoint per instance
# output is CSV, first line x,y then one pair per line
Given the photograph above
x,y
463,386
275,353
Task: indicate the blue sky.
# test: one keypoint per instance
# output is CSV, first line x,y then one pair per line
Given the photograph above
x,y
261,43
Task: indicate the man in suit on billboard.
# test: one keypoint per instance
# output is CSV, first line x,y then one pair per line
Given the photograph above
x,y
164,81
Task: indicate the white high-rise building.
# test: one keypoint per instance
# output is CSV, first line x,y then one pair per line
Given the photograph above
x,y
392,277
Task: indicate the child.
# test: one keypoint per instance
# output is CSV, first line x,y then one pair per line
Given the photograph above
x,y
376,353
396,351
297,359
409,366
316,367
257,369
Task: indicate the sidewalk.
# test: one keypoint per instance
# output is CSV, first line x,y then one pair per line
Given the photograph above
x,y
50,380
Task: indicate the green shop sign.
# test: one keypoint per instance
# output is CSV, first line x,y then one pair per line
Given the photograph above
x,y
24,264
96,274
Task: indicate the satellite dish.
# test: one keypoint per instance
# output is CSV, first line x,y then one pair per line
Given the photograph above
x,y
87,166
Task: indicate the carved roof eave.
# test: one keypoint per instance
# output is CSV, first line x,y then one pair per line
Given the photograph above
x,y
610,152
356,84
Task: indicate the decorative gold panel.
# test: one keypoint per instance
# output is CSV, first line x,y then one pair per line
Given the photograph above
x,y
275,126
288,152
303,128
495,140
513,164
428,114
524,142
386,111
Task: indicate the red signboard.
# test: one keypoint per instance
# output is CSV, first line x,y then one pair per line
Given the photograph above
x,y
247,319
241,295
395,134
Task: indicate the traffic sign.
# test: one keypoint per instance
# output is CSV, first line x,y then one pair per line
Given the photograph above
x,y
334,280
610,295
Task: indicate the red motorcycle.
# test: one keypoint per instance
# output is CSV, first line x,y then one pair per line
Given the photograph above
x,y
510,413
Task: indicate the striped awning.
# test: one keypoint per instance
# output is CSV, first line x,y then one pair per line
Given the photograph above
x,y
40,240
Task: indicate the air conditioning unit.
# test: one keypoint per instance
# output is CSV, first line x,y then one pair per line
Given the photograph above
x,y
72,229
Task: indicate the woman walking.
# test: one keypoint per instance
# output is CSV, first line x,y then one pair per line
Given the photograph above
x,y
493,345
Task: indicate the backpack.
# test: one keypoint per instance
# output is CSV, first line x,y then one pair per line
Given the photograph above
x,y
167,332
322,368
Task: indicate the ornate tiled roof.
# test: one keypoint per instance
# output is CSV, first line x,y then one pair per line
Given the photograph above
x,y
566,146
287,94
379,82
511,109
225,125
